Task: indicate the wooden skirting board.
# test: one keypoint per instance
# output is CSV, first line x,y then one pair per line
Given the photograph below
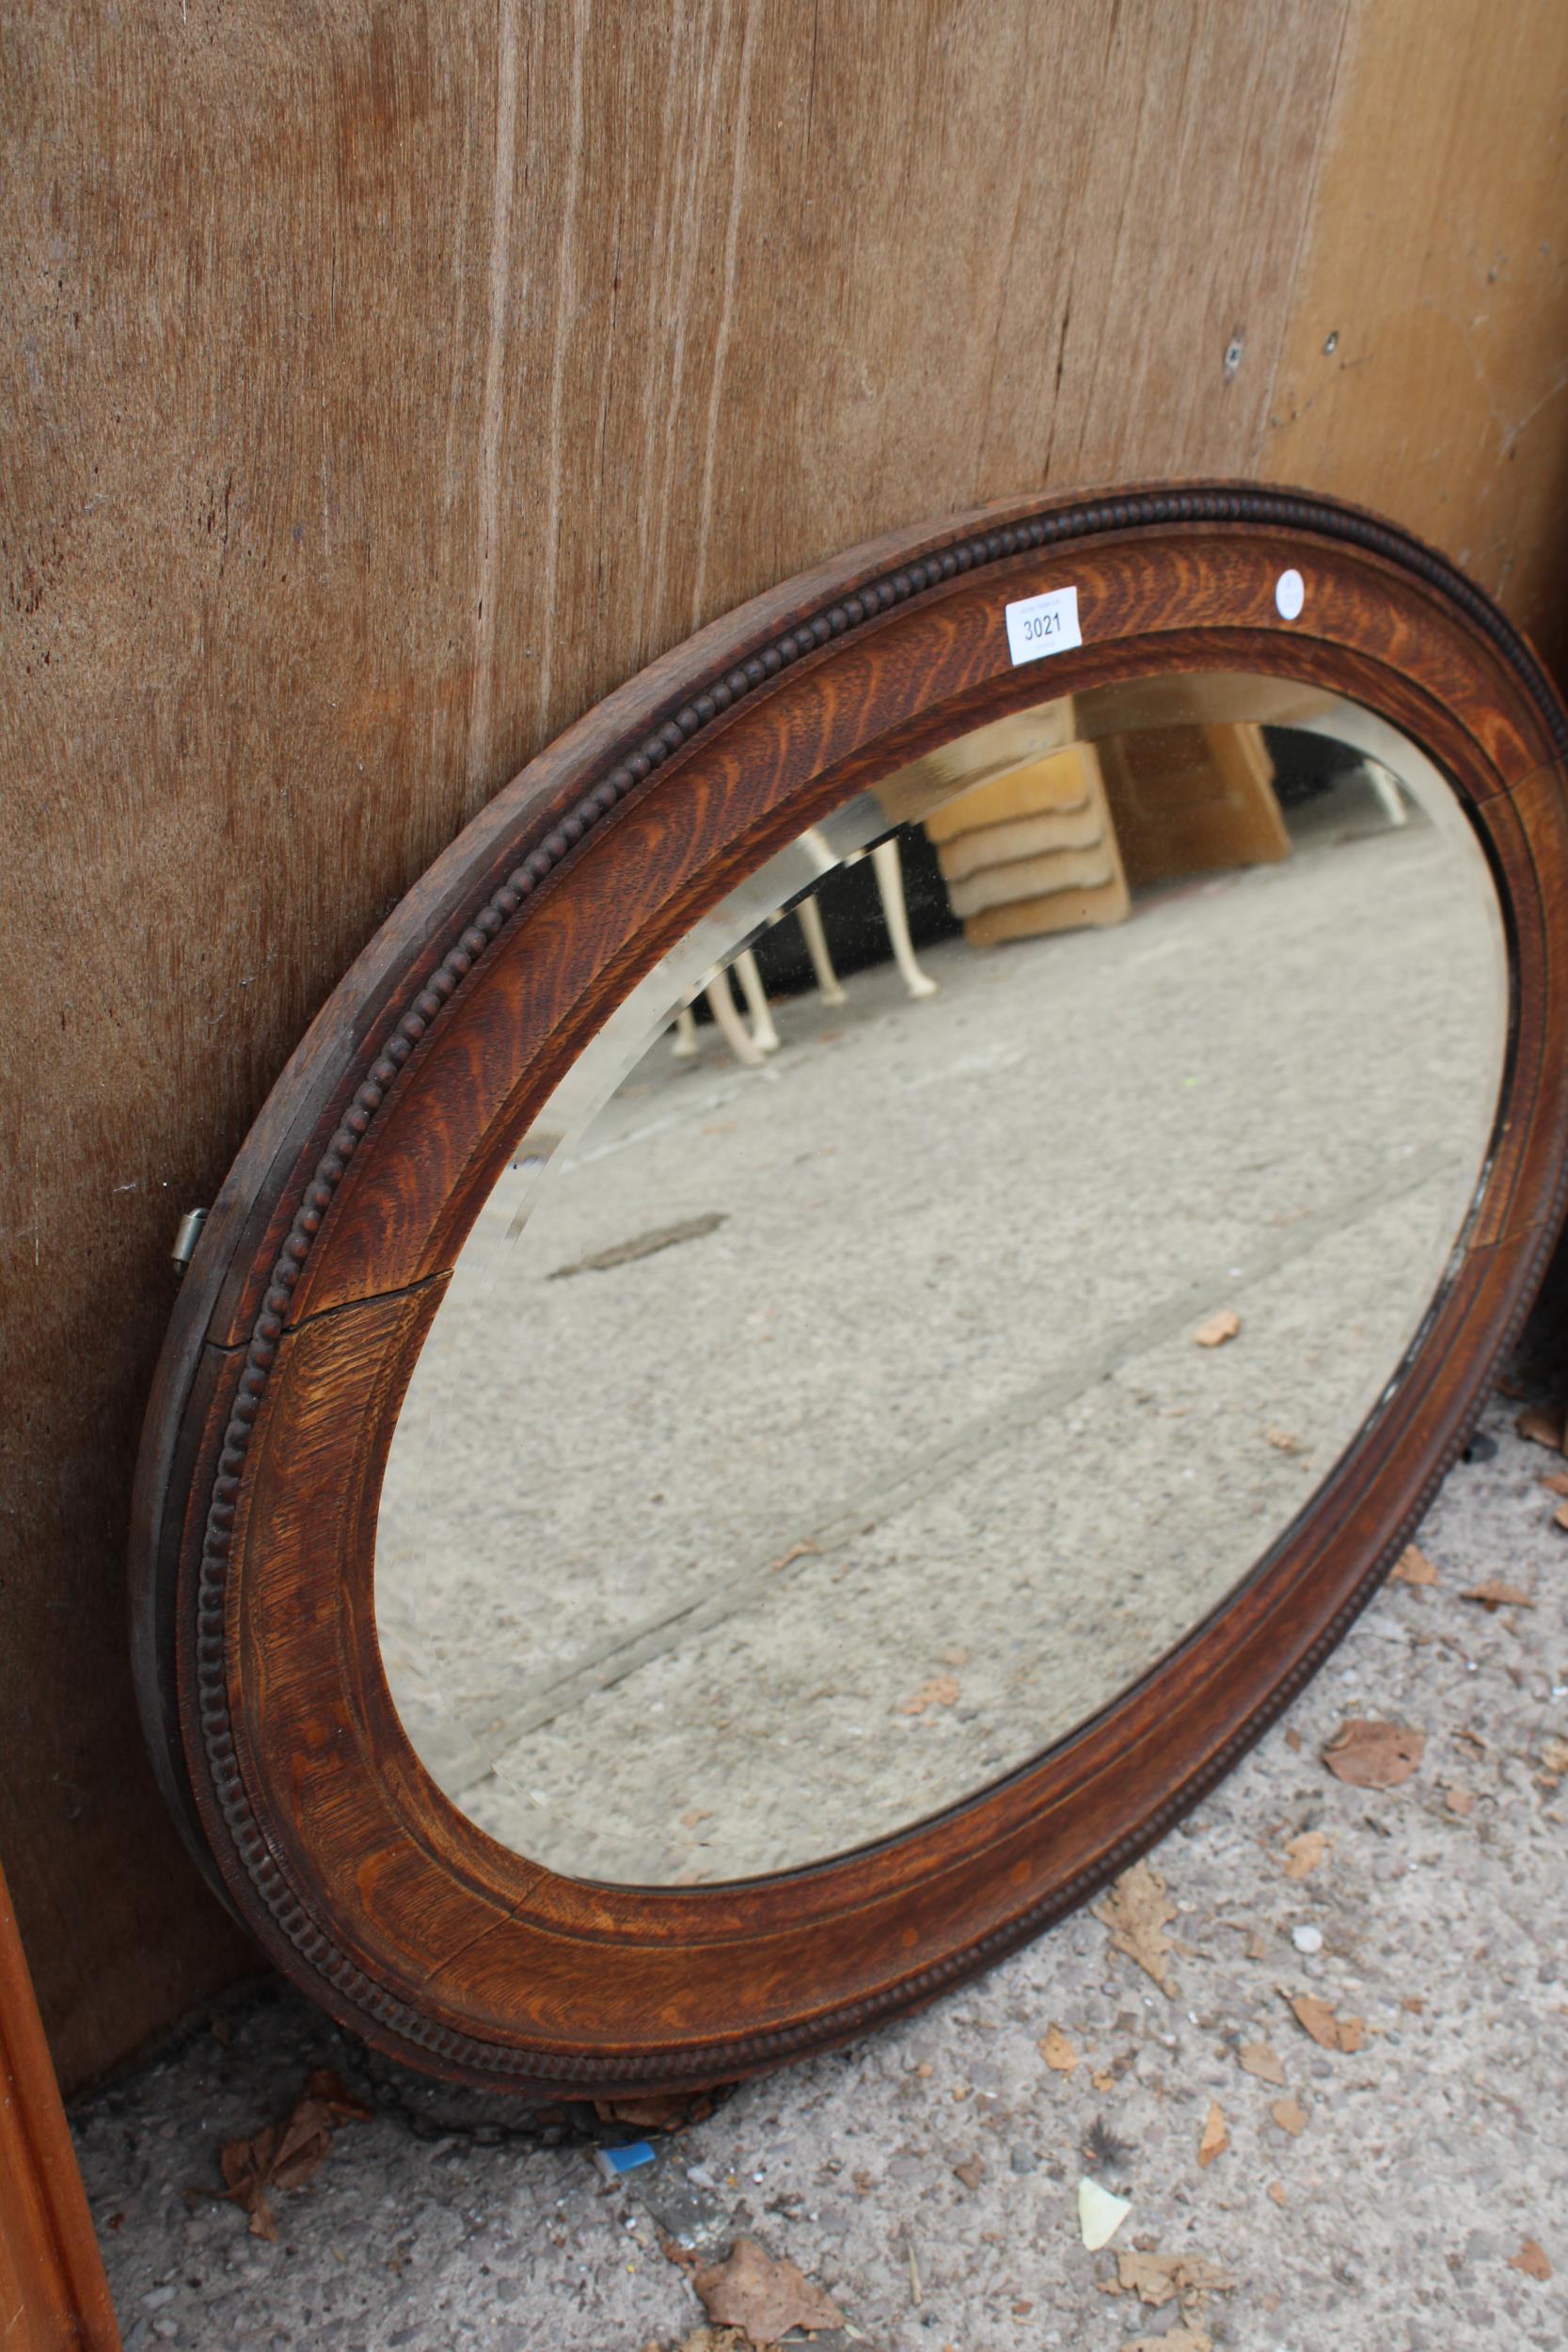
x,y
53,2297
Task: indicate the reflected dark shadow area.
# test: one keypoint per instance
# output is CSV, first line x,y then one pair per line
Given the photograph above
x,y
941,1281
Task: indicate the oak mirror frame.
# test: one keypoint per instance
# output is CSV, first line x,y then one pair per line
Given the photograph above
x,y
325,1259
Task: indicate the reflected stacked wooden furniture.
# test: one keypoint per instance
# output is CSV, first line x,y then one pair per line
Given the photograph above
x,y
1060,841
1190,798
1033,850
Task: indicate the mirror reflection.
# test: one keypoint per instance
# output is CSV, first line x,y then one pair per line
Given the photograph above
x,y
942,1281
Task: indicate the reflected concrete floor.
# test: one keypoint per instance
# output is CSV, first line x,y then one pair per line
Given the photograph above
x,y
723,1559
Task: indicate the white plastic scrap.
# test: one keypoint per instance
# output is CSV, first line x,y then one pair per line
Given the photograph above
x,y
1100,2214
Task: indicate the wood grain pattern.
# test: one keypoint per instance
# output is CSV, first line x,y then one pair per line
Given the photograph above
x,y
380,390
329,1247
53,2297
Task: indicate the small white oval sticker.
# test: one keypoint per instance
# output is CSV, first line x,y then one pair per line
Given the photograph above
x,y
1290,595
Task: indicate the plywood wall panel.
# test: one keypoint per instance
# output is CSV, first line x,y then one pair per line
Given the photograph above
x,y
380,384
1426,367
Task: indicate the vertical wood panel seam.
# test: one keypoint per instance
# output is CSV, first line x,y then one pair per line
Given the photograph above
x,y
726,309
565,275
482,694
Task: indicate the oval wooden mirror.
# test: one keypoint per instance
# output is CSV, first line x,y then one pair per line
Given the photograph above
x,y
674,1526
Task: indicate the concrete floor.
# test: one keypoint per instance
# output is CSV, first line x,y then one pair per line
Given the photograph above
x,y
922,1414
1388,2225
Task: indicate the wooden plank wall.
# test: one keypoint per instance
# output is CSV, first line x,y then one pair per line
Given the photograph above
x,y
383,383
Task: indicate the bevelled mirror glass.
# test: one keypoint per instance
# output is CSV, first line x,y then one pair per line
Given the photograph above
x,y
943,1279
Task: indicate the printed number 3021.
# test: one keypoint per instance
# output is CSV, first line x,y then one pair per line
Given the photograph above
x,y
1037,625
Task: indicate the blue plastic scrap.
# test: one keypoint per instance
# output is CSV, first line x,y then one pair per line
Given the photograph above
x,y
614,2163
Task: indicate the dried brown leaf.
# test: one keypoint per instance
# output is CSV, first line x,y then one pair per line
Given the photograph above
x,y
1136,1911
1214,2139
1413,1567
1216,1328
762,2297
1374,1754
1316,2017
1304,1854
1058,2051
1460,1802
302,2157
263,2221
1531,2261
284,2156
1290,2115
1543,1424
1560,1517
1556,1481
330,2090
1157,2278
1258,2058
1150,2277
940,1691
243,2160
1196,2275
971,2171
1496,1596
